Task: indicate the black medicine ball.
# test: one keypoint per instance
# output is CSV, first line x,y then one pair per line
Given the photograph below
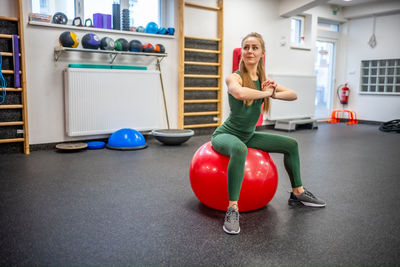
x,y
121,45
107,43
135,46
159,48
68,39
148,48
90,41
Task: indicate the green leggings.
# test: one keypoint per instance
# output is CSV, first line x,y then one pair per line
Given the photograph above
x,y
236,149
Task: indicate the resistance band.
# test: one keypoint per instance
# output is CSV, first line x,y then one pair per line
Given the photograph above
x,y
3,84
17,82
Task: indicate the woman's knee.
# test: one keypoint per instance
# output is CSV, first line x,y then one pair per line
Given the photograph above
x,y
292,144
239,149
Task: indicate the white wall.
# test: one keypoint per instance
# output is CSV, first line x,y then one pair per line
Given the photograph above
x,y
8,8
359,31
44,79
243,17
352,47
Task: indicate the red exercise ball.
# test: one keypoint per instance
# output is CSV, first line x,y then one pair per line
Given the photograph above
x,y
208,179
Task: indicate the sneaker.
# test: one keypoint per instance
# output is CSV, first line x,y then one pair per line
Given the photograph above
x,y
307,199
231,224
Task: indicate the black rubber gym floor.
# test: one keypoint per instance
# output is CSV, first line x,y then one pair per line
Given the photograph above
x,y
125,208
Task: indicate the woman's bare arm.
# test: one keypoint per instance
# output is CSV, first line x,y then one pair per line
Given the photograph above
x,y
235,88
281,92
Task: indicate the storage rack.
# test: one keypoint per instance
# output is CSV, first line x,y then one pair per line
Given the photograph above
x,y
200,73
58,50
21,106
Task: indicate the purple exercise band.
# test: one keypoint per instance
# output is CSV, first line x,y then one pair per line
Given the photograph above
x,y
15,42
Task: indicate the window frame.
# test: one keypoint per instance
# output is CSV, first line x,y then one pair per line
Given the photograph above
x,y
306,36
380,76
328,23
168,19
79,9
301,19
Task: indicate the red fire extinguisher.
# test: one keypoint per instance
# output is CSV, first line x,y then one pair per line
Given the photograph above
x,y
343,94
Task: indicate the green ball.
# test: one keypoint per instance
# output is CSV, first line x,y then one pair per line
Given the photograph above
x,y
121,45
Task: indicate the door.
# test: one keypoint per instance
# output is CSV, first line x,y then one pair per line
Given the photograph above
x,y
324,72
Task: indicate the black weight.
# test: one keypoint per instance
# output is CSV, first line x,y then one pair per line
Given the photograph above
x,y
121,44
106,43
87,21
90,41
60,18
77,21
68,39
159,48
135,46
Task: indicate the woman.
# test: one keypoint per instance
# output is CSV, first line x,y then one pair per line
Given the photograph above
x,y
248,88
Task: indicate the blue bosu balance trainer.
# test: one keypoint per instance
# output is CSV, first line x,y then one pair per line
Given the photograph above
x,y
126,139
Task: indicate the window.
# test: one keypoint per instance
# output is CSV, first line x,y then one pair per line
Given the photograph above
x,y
380,76
141,11
91,7
49,7
326,26
297,30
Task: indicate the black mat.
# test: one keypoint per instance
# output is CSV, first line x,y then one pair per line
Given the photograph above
x,y
136,208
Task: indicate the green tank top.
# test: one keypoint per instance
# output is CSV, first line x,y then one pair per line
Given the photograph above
x,y
243,118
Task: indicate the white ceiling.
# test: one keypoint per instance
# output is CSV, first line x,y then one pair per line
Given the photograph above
x,y
351,3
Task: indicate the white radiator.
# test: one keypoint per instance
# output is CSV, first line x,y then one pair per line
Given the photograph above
x,y
101,101
303,107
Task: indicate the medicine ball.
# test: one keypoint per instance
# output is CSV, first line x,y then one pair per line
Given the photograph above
x,y
68,39
90,41
162,30
135,46
148,48
140,29
159,48
107,43
171,31
121,45
152,27
60,18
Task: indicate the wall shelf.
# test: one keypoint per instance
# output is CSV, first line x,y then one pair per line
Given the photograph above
x,y
101,30
58,50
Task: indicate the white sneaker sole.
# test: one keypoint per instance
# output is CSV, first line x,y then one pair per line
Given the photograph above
x,y
309,204
231,232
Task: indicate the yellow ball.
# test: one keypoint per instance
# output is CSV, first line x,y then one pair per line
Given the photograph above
x,y
68,39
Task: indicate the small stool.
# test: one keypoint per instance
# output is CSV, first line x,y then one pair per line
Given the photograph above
x,y
337,114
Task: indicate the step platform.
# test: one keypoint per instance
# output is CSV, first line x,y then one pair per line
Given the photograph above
x,y
291,124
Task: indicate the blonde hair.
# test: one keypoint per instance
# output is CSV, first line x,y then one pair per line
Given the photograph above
x,y
247,81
